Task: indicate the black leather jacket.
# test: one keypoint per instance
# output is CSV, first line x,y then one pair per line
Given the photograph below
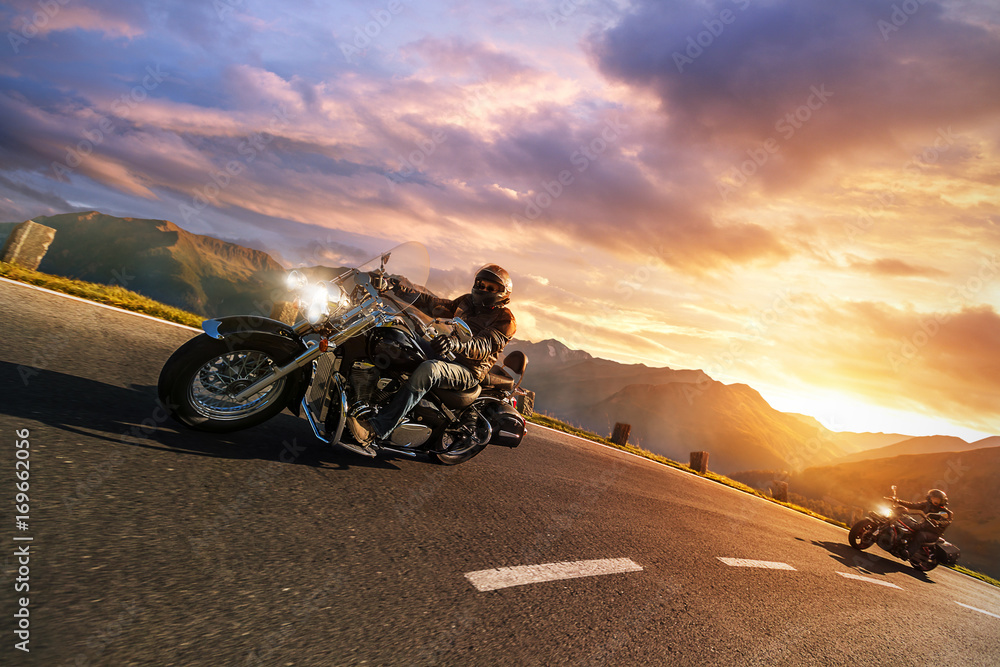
x,y
927,507
492,329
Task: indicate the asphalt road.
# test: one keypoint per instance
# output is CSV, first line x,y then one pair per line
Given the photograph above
x,y
154,545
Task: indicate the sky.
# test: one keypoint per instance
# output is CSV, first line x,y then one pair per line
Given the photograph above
x,y
798,195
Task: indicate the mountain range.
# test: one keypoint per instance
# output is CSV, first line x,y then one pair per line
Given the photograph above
x,y
672,412
158,259
931,444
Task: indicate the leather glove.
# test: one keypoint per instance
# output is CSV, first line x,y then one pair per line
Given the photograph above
x,y
396,285
442,345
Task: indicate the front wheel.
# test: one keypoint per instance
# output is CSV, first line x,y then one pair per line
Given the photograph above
x,y
199,380
862,535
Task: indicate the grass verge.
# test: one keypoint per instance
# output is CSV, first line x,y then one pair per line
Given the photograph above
x,y
551,422
111,295
978,575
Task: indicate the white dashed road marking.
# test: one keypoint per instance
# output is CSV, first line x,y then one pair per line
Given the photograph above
x,y
502,577
868,579
743,562
979,610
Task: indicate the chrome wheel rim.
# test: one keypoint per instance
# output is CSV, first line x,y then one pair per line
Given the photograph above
x,y
214,384
867,538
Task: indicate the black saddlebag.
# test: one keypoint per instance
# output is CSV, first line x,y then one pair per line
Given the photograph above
x,y
508,424
948,553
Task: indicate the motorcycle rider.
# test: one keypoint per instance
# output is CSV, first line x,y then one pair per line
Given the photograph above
x,y
927,532
485,310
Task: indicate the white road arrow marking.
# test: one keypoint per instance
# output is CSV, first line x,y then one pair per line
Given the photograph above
x,y
880,582
979,610
743,562
502,577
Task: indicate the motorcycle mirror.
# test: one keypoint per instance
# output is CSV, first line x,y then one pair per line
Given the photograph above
x,y
893,489
464,330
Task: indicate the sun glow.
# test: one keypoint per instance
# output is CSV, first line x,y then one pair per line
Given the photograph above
x,y
838,412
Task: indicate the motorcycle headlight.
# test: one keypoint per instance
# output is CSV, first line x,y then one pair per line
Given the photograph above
x,y
885,511
317,303
339,300
295,281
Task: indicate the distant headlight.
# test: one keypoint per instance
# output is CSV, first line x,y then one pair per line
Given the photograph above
x,y
317,303
295,281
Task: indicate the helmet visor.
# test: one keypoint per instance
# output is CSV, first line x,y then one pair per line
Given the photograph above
x,y
487,286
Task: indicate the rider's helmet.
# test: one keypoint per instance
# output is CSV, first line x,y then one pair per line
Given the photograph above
x,y
492,287
937,497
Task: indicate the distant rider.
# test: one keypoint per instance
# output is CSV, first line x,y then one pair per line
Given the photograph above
x,y
492,324
927,532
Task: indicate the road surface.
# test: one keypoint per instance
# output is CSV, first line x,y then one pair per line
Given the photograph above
x,y
151,544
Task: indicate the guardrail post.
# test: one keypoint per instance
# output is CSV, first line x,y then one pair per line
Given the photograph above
x,y
620,435
27,244
699,462
526,403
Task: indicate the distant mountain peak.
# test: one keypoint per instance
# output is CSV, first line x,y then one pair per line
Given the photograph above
x,y
554,349
161,260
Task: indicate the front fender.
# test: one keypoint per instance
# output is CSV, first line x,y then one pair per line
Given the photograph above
x,y
236,328
222,328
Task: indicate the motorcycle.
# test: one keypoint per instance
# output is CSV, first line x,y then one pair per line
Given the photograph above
x,y
357,344
894,528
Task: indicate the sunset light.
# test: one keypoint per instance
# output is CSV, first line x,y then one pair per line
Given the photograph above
x,y
797,196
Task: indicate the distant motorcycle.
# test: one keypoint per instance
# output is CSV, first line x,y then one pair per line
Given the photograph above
x,y
893,529
358,343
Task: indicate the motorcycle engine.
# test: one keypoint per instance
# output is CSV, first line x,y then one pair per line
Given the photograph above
x,y
373,386
886,539
364,379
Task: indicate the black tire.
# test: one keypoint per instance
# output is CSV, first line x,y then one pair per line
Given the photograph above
x,y
926,563
862,535
452,459
463,451
194,379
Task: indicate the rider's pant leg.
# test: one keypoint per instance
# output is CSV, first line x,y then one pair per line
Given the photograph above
x,y
430,374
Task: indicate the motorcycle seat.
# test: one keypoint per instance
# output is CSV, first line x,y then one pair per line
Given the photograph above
x,y
498,378
457,400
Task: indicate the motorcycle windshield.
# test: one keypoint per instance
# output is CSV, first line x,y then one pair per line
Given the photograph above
x,y
407,265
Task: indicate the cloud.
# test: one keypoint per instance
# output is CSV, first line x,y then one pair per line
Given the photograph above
x,y
940,362
894,268
458,58
30,19
757,76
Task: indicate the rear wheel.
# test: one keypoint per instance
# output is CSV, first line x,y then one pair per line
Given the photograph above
x,y
862,535
463,442
924,560
199,380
